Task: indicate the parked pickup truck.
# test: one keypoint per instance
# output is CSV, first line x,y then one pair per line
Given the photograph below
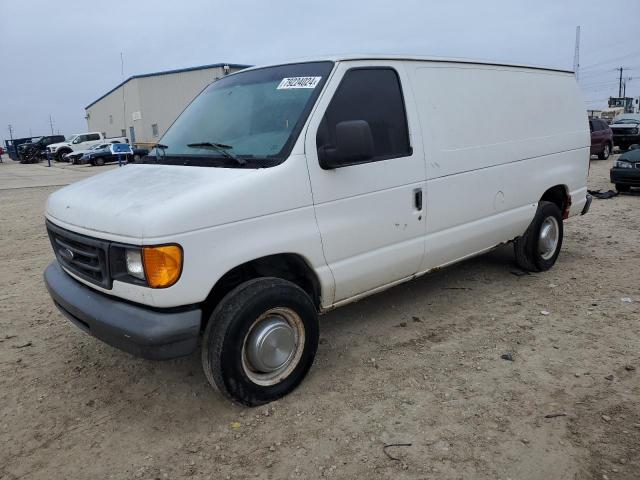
x,y
80,141
285,191
30,152
626,130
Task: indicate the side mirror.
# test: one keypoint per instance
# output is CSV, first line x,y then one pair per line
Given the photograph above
x,y
354,144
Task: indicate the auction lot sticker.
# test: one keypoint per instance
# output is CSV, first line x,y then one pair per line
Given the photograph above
x,y
299,82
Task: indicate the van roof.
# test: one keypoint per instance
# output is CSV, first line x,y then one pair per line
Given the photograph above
x,y
417,58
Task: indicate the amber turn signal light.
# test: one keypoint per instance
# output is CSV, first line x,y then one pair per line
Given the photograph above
x,y
162,265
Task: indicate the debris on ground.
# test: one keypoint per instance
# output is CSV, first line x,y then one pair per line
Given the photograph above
x,y
507,356
23,345
626,300
544,312
384,449
555,414
603,195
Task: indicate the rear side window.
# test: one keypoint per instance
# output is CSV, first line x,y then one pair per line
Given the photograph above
x,y
603,125
93,136
375,96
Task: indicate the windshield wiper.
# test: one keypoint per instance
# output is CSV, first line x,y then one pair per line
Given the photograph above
x,y
219,147
160,146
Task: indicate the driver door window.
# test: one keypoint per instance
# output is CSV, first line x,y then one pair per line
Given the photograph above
x,y
373,95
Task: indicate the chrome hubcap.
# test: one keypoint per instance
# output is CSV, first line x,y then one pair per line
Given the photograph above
x,y
273,346
548,239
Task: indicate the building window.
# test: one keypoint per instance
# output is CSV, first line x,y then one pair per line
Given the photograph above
x,y
110,119
154,129
123,133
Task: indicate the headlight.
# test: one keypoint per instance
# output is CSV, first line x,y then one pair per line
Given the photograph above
x,y
635,131
135,268
620,164
155,267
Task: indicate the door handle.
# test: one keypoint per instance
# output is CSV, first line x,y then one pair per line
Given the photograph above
x,y
417,199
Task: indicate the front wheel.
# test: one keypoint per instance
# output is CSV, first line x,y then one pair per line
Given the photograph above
x,y
260,341
606,151
98,162
538,249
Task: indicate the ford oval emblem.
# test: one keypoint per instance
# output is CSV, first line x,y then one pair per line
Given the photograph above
x,y
66,254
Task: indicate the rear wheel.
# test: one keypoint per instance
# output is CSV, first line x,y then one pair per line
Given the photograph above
x,y
606,151
260,341
622,188
538,249
98,162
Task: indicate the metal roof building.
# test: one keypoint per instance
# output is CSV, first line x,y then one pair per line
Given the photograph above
x,y
144,106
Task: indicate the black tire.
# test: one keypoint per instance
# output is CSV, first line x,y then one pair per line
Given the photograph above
x,y
98,162
58,156
527,251
622,188
223,353
606,152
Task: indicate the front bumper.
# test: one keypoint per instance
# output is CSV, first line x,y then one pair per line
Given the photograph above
x,y
625,176
625,141
136,329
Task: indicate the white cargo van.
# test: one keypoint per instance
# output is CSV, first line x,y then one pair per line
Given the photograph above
x,y
285,191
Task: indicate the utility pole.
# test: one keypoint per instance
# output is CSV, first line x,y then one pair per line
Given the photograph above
x,y
620,82
51,124
11,133
576,55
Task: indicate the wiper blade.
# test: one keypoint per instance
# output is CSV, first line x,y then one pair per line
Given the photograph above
x,y
160,146
218,147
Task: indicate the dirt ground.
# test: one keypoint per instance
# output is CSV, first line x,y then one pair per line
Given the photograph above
x,y
419,364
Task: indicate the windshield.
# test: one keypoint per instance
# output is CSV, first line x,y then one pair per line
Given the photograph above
x,y
71,138
627,120
249,115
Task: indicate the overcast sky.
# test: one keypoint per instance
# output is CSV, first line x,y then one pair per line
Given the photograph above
x,y
58,56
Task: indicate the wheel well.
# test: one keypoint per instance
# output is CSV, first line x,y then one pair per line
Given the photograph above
x,y
287,266
560,197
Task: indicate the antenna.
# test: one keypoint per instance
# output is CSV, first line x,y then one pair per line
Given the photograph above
x,y
124,107
576,55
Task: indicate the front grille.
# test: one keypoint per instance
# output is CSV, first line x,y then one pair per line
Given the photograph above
x,y
625,131
83,256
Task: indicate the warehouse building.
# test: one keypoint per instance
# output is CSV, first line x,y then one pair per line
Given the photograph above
x,y
144,106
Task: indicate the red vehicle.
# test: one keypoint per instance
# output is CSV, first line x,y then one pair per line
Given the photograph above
x,y
601,138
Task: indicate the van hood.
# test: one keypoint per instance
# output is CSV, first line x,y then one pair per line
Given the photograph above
x,y
148,201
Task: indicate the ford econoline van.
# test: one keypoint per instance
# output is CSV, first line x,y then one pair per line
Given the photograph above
x,y
284,191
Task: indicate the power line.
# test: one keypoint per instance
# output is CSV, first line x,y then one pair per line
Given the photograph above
x,y
613,59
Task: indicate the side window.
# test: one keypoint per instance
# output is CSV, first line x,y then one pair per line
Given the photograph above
x,y
603,125
591,125
367,100
80,139
93,137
